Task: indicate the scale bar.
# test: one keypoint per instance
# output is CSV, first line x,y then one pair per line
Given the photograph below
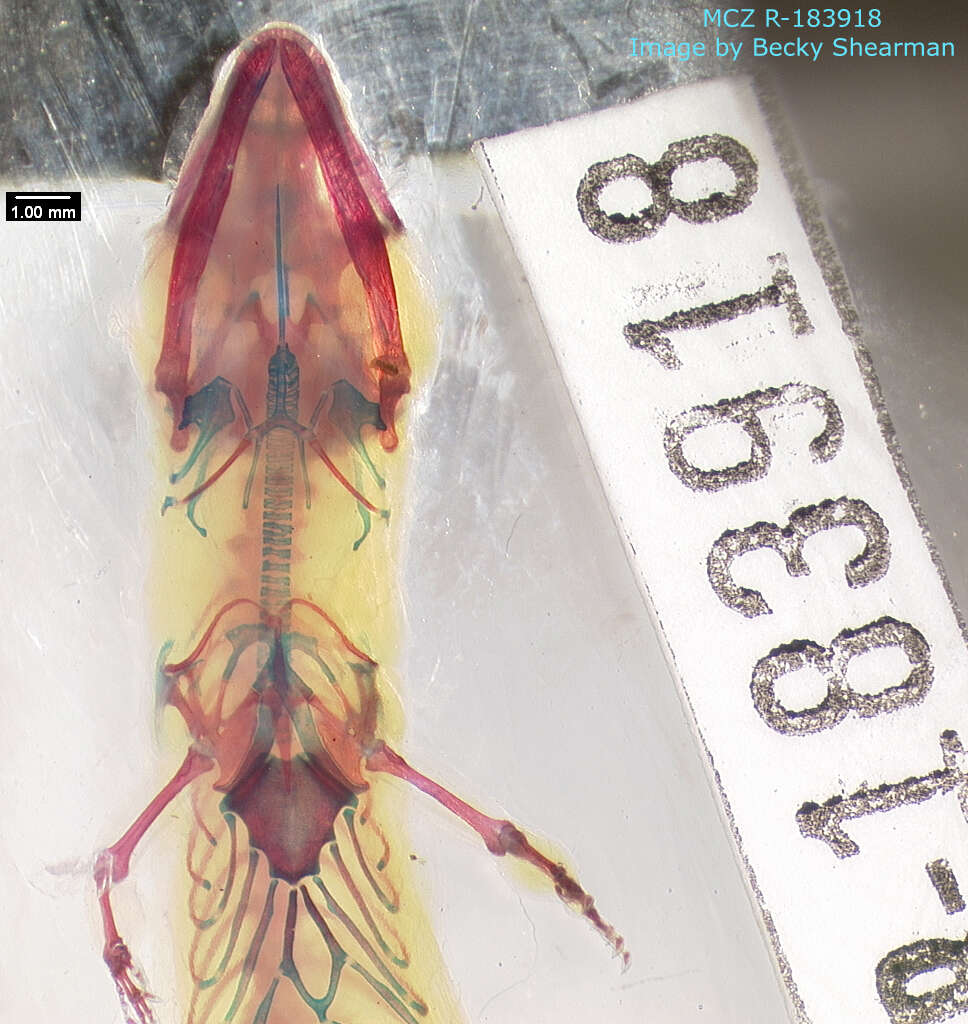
x,y
43,206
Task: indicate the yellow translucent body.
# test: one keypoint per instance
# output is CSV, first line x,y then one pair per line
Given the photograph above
x,y
256,950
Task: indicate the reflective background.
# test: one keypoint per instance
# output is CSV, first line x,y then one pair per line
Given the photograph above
x,y
532,680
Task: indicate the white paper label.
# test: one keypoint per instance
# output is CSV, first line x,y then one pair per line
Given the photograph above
x,y
733,422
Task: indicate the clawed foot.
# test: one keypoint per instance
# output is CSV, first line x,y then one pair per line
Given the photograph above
x,y
130,984
512,840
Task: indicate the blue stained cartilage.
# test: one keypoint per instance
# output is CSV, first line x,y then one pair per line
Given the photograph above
x,y
390,904
282,274
210,410
351,411
399,961
262,1013
255,947
338,957
227,885
395,985
237,922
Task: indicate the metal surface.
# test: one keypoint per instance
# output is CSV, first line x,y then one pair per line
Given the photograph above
x,y
94,86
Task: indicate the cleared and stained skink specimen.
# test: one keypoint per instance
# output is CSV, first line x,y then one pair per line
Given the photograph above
x,y
282,364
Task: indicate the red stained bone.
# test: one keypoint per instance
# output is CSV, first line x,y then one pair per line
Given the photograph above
x,y
500,837
212,179
276,149
280,72
289,809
